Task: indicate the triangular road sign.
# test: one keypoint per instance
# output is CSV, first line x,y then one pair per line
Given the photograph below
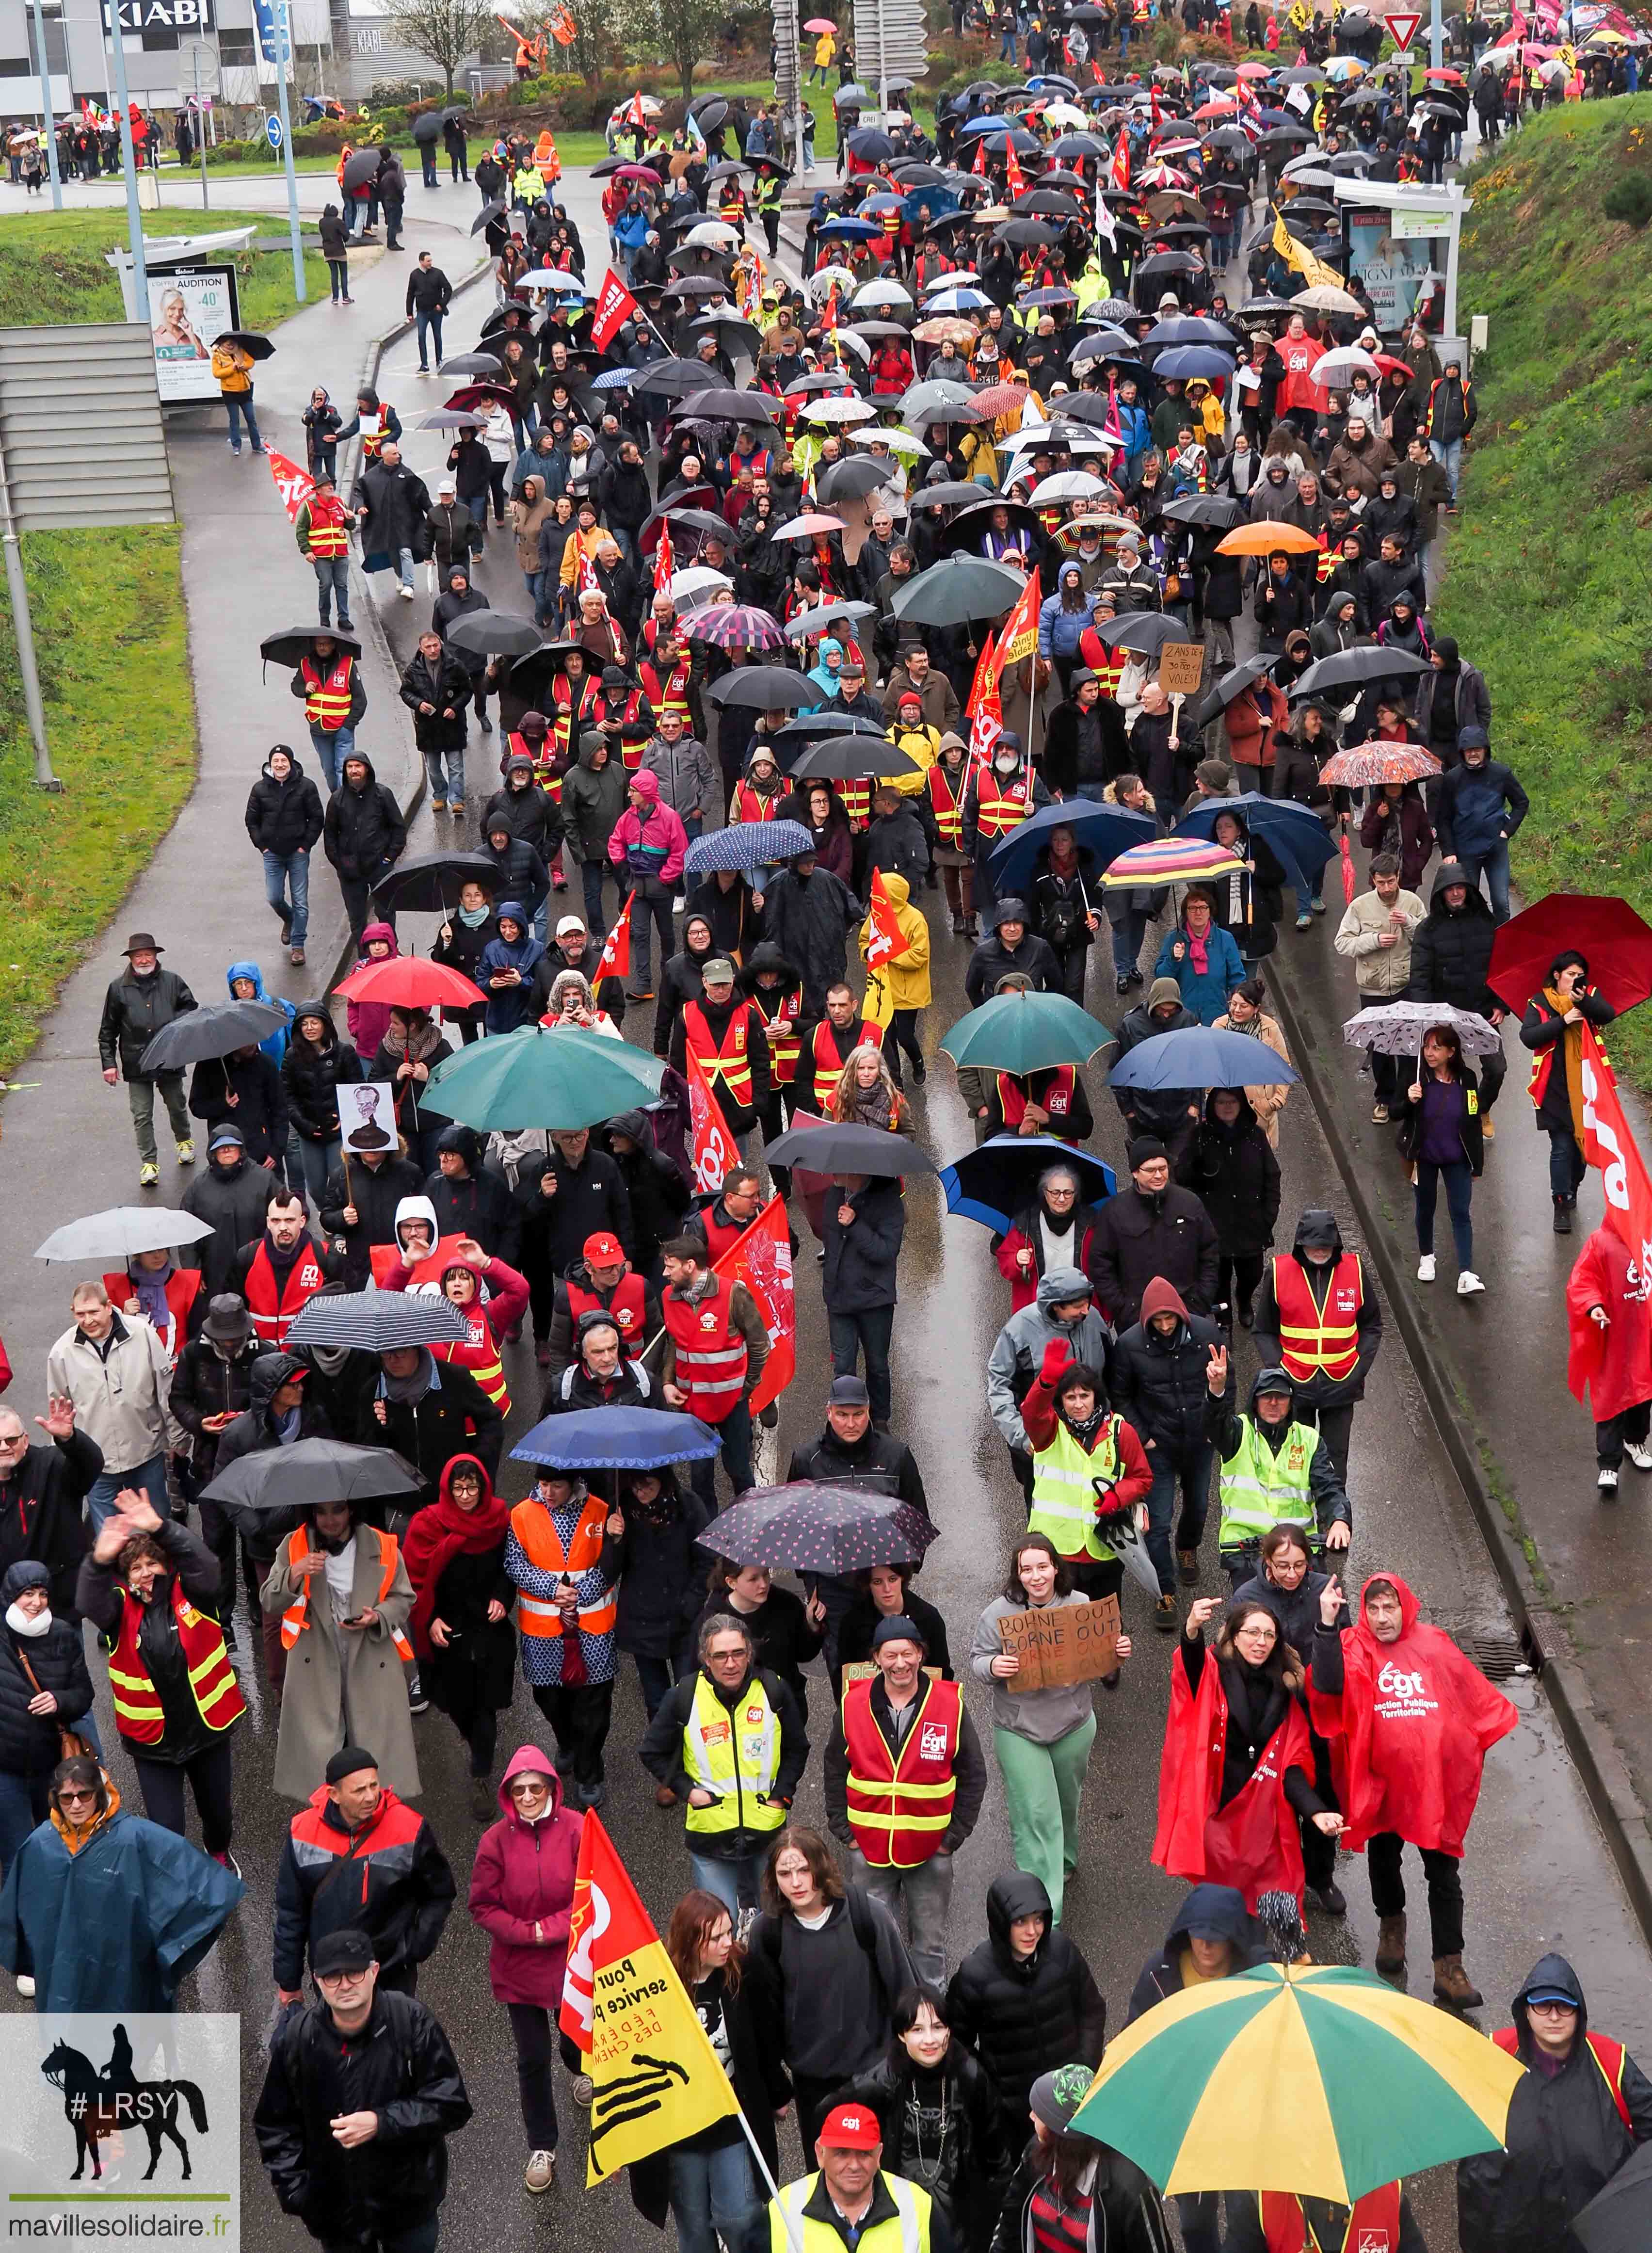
x,y
1403,29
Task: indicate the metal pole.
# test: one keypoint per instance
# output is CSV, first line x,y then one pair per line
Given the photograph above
x,y
1436,38
22,626
48,121
283,62
128,162
200,121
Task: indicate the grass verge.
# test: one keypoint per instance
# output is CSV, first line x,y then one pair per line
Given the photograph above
x,y
120,721
51,265
1548,580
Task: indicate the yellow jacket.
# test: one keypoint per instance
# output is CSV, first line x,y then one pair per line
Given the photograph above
x,y
923,747
590,541
908,972
825,49
231,369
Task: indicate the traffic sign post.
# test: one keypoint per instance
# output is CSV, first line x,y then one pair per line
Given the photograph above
x,y
280,132
1403,29
203,68
272,128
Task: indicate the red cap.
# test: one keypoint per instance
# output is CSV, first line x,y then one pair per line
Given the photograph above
x,y
604,1250
851,2128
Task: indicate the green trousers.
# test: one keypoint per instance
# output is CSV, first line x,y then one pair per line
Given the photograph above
x,y
1042,1785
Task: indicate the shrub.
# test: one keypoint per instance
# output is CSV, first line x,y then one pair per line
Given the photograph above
x,y
1630,200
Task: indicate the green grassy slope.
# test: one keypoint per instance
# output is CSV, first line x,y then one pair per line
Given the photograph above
x,y
52,264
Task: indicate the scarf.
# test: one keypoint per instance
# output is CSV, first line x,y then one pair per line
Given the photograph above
x,y
150,1287
473,918
21,1622
442,1531
1085,1431
74,1835
1196,953
415,1044
411,1389
1252,1027
1571,1037
871,1106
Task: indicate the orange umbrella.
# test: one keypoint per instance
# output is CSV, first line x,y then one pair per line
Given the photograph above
x,y
1268,538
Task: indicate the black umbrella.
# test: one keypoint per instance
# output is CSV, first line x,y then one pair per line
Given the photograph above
x,y
852,479
451,418
255,346
532,676
699,520
1619,2218
816,726
1369,662
1001,1177
830,1530
1143,632
494,633
294,643
848,757
360,167
1232,684
711,114
672,377
949,492
312,1471
970,523
1027,233
723,405
763,688
377,1322
426,127
695,285
1214,510
429,884
488,212
872,147
216,1030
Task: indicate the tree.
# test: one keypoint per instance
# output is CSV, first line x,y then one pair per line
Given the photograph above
x,y
689,32
445,31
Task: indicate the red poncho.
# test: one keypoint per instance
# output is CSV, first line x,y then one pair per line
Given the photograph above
x,y
1614,1363
1408,1736
1253,1842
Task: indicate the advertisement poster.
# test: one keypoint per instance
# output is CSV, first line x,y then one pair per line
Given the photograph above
x,y
1392,263
187,309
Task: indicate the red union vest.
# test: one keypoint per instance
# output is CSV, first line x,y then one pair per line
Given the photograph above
x,y
1056,1095
751,805
560,740
731,1064
626,1306
272,1310
296,1618
785,1045
1609,2055
828,1059
182,1287
711,1352
1311,1341
720,1235
329,532
480,1355
999,811
211,1679
1373,2223
540,1543
373,435
945,803
545,759
327,695
899,1807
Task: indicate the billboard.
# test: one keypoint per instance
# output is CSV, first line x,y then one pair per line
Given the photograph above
x,y
1391,261
187,308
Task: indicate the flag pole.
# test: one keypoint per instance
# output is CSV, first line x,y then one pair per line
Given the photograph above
x,y
793,2238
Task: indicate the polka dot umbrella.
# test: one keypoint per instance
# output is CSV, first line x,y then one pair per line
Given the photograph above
x,y
819,1528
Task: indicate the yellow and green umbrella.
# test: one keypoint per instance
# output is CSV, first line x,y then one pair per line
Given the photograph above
x,y
1319,2079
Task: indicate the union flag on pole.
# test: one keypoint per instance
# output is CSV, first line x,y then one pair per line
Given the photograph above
x,y
1608,1144
1121,161
761,1261
615,962
985,711
1020,637
295,485
588,582
665,562
715,1150
614,305
1014,183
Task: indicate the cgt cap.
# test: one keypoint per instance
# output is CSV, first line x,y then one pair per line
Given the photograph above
x,y
851,2128
603,1250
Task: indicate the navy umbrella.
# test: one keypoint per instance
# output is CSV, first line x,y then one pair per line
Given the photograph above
x,y
1107,830
748,845
1296,835
1000,1178
831,1530
617,1438
1198,1056
378,1321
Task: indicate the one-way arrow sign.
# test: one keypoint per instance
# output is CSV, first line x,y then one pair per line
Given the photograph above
x,y
1403,30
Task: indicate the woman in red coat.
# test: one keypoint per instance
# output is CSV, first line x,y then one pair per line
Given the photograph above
x,y
1611,1319
522,1896
1252,721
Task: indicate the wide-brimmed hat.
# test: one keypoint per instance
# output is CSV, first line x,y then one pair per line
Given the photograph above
x,y
142,942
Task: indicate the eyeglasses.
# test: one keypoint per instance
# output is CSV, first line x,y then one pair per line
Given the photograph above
x,y
535,1790
69,1797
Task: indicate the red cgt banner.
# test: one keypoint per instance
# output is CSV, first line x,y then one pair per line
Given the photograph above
x,y
614,305
1608,1144
761,1261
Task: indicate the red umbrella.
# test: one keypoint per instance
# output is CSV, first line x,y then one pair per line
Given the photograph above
x,y
411,982
1608,932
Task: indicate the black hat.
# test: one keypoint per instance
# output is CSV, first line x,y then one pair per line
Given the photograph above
x,y
349,1950
228,1321
849,1392
898,1629
142,942
1144,1150
349,1760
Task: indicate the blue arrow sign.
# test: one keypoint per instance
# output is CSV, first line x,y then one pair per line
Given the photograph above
x,y
272,128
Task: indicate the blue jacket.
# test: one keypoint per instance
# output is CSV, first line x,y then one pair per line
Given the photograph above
x,y
631,229
116,1926
276,1046
510,1006
1058,629
1476,805
1206,996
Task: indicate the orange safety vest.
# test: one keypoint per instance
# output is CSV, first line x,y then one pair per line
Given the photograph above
x,y
540,1543
711,1352
731,1064
138,1715
373,439
329,534
899,1807
272,1311
1312,1342
296,1618
946,804
828,1063
327,695
1373,2223
1609,2055
627,1307
785,1045
480,1356
1015,1093
999,811
751,805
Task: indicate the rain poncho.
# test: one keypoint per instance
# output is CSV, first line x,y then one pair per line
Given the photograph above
x,y
276,1046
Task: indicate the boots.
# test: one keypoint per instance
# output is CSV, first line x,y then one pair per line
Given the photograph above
x,y
1563,1212
1453,1986
1390,1944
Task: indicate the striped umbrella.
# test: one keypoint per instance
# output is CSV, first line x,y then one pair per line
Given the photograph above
x,y
1374,2085
1168,861
378,1321
1364,765
735,626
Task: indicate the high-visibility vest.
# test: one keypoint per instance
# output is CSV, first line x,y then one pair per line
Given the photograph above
x,y
731,206
1373,2223
540,1543
857,801
329,532
711,1352
1262,1487
272,1311
751,805
604,707
1609,2055
733,1752
480,1355
907,2231
720,1235
785,1044
729,1064
1065,1499
899,1806
999,811
1014,1092
1311,1340
373,435
327,695
626,1306
296,1618
560,740
828,1059
138,1715
946,804
517,746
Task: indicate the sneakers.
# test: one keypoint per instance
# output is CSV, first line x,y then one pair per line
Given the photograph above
x,y
1164,1614
186,1157
227,1862
1639,1453
1305,921
25,1986
417,1702
1488,1130
582,2088
1317,904
1606,1481
407,594
1425,1268
541,2172
1379,1114
148,1173
1469,1283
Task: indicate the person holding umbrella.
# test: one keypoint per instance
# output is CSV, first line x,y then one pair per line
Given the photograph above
x,y
1440,1135
1376,934
563,1552
1553,1029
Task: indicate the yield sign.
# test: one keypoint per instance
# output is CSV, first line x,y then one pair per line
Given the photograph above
x,y
1402,29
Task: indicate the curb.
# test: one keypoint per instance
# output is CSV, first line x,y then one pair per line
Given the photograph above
x,y
1601,1766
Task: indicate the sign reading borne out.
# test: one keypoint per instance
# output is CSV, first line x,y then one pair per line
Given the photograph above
x,y
1060,1643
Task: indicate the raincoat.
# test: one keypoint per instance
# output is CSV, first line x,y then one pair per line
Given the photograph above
x,y
276,1046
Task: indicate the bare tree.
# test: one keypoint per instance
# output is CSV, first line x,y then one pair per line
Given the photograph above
x,y
444,30
688,33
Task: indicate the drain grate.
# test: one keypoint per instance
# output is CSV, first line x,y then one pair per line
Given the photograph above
x,y
1498,1652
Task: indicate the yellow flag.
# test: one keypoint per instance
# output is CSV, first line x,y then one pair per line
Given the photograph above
x,y
1285,243
655,2077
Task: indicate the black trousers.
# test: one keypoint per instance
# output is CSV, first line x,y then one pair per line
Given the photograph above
x,y
580,1719
1610,1437
161,1785
900,1034
532,2032
1319,1853
477,1722
1242,1271
1444,1874
1335,1424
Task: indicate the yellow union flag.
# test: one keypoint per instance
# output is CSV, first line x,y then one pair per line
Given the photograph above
x,y
655,2077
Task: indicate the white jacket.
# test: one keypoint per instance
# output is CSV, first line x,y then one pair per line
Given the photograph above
x,y
1380,972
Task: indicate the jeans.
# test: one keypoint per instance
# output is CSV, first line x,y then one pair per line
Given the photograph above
x,y
404,568
427,324
310,1162
713,2194
332,747
736,1883
590,875
23,1805
652,912
656,1676
281,870
238,405
149,1477
332,577
1460,1190
1566,1167
928,1889
140,1095
1448,452
1630,1426
338,275
735,1431
449,785
1127,936
1191,1472
1493,866
535,593
1443,1874
869,1332
426,158
162,1784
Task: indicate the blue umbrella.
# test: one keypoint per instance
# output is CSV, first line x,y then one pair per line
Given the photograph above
x,y
1107,830
1297,836
613,378
851,230
748,845
1198,1056
984,125
929,202
617,1439
966,300
992,1183
1185,361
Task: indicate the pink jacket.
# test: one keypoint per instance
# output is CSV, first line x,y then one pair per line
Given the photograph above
x,y
524,1874
666,842
368,1022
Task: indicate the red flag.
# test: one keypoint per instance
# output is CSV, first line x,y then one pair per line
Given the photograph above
x,y
614,305
1348,874
295,485
1020,637
615,962
985,711
588,582
1121,161
634,115
1014,184
829,317
715,1150
761,1261
888,939
1608,1144
665,562
980,165
1096,71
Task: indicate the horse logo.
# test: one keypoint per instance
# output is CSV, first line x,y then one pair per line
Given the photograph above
x,y
99,2106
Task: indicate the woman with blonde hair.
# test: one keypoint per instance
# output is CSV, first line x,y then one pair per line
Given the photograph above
x,y
866,1094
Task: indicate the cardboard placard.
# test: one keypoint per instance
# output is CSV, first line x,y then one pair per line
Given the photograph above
x,y
1061,1643
1181,667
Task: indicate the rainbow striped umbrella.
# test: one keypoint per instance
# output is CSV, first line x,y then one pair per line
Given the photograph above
x,y
1168,861
1373,2085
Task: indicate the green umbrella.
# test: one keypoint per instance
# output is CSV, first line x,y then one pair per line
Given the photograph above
x,y
557,1078
1025,1032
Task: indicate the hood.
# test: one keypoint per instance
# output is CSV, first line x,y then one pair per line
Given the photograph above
x,y
270,1372
1162,1298
646,784
633,1125
417,1208
466,1462
897,891
1015,1895
766,956
1316,1224
529,1757
1272,1379
1013,911
518,764
464,1140
1246,1118
589,744
357,753
245,970
329,1035
1161,993
1450,873
1549,1973
1219,1910
382,931
1058,1285
519,915
26,1573
1410,1609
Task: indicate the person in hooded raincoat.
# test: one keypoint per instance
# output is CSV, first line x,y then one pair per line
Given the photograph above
x,y
246,983
1610,1314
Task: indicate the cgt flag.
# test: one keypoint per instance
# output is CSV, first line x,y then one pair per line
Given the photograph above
x,y
714,1147
655,2077
761,1261
616,956
1608,1144
1020,637
614,305
295,485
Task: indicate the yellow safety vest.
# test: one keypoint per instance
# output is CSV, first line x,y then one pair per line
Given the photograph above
x,y
907,2231
733,1751
1063,1498
1259,1489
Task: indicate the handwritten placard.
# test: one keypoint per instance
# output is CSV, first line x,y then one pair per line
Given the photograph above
x,y
1061,1643
1180,667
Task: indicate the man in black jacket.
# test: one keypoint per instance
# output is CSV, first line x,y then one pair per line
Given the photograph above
x,y
403,1896
142,999
284,821
851,1451
233,1195
429,293
364,835
41,1493
471,1199
395,504
864,1223
1010,946
430,1411
244,1086
1152,1229
361,2093
572,1193
1159,1376
359,1206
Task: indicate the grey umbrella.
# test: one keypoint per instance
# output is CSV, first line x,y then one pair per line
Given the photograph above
x,y
486,365
426,127
957,589
820,1529
311,1471
378,1321
363,166
451,418
849,1148
122,1231
215,1031
487,633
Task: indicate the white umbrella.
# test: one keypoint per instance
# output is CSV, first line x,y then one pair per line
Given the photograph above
x,y
1396,1028
698,584
711,234
1063,113
882,293
1069,484
959,277
1337,368
839,410
822,278
858,346
898,442
1323,297
123,1232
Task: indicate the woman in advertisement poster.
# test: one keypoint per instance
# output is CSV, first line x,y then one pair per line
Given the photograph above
x,y
174,334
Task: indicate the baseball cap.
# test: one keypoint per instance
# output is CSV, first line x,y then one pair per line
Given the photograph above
x,y
568,923
1552,1995
851,2128
849,1392
349,1950
603,1250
